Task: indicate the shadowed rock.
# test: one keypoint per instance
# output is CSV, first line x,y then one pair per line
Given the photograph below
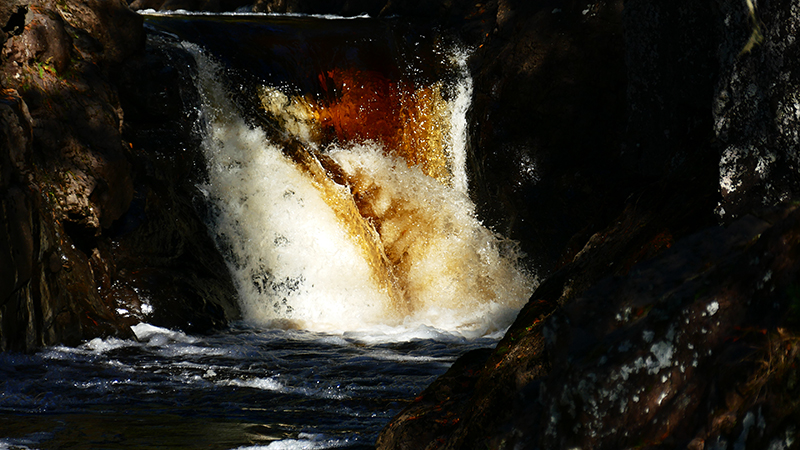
x,y
75,266
665,330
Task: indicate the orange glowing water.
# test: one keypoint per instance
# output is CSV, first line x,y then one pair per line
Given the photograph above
x,y
356,106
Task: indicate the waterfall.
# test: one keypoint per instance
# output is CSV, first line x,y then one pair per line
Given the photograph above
x,y
355,216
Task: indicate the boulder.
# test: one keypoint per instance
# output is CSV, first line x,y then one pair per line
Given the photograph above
x,y
672,352
47,289
756,110
547,119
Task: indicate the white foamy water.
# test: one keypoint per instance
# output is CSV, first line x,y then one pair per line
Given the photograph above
x,y
419,256
459,126
290,257
456,274
305,441
245,13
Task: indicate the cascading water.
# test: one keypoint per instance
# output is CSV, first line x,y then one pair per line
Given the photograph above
x,y
373,228
338,193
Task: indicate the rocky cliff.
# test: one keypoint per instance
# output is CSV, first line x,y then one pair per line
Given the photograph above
x,y
95,229
669,320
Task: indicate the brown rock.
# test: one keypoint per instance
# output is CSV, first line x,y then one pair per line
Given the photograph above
x,y
67,181
110,23
15,135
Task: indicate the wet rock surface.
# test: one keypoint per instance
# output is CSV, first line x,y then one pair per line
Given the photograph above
x,y
756,109
76,264
673,353
547,121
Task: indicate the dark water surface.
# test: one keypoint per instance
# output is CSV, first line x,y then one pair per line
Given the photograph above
x,y
243,388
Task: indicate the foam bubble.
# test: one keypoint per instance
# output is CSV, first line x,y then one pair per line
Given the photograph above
x,y
158,336
23,444
305,441
271,384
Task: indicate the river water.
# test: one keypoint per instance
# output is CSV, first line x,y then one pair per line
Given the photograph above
x,y
243,388
336,188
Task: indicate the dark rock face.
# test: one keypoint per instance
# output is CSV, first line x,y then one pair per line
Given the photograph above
x,y
671,353
89,239
162,236
47,289
666,330
671,81
67,179
548,116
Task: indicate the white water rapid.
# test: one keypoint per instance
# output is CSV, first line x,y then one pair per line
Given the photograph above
x,y
382,245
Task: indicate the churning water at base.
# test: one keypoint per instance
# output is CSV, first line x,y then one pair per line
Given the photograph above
x,y
244,388
373,227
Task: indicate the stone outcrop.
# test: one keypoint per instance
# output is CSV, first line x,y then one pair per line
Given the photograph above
x,y
88,236
548,117
673,324
67,178
756,109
